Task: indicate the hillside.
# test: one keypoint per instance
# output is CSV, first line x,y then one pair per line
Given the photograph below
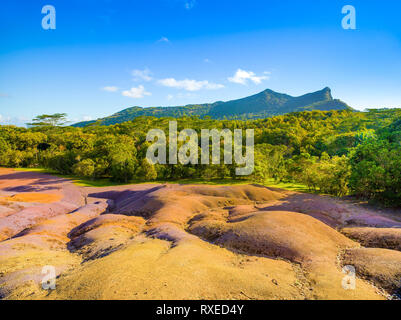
x,y
265,104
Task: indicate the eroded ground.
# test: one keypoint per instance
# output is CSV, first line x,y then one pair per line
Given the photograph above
x,y
190,242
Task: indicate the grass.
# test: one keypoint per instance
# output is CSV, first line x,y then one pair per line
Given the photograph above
x,y
83,182
271,183
287,186
79,181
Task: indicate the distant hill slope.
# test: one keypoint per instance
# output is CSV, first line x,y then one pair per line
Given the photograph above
x,y
262,105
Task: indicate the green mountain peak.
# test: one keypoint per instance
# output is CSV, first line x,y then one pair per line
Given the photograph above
x,y
264,104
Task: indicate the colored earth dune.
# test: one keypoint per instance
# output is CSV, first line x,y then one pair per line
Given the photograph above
x,y
190,242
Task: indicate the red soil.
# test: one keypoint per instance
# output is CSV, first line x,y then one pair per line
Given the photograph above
x,y
187,242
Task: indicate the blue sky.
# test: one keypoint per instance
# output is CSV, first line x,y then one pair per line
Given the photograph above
x,y
107,55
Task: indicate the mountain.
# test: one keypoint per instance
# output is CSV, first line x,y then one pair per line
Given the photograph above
x,y
262,105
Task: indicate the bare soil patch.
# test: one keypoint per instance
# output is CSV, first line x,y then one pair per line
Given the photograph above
x,y
189,242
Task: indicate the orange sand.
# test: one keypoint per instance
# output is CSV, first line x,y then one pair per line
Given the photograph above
x,y
33,198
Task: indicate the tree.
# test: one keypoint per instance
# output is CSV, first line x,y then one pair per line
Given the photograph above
x,y
303,147
122,165
101,167
333,175
4,147
269,163
63,162
376,171
52,120
146,171
14,158
84,168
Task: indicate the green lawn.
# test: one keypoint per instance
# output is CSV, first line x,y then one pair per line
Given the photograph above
x,y
82,182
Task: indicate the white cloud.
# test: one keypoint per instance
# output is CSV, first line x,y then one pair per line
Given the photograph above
x,y
80,118
145,75
87,118
4,120
4,95
136,93
16,121
189,85
163,39
110,89
242,77
180,95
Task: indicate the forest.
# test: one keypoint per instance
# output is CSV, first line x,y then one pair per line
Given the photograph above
x,y
338,153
